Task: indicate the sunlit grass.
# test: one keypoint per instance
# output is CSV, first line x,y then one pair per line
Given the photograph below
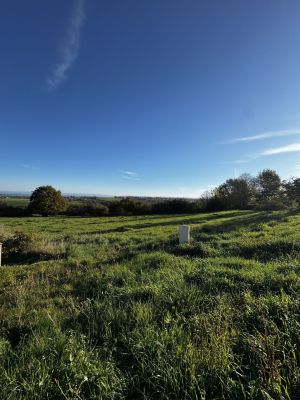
x,y
119,310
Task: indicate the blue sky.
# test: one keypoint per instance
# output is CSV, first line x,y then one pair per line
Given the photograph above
x,y
147,97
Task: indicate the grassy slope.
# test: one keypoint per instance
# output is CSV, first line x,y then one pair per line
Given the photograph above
x,y
119,310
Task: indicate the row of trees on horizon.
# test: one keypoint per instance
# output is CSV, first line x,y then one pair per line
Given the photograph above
x,y
266,191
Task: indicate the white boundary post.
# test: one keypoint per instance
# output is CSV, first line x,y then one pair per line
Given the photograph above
x,y
184,234
0,253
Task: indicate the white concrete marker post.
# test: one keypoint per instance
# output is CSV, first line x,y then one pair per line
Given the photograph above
x,y
0,253
184,234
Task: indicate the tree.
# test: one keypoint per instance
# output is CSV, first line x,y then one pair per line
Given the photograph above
x,y
292,190
268,184
236,193
209,201
46,200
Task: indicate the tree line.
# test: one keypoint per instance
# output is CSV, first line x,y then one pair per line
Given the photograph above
x,y
266,191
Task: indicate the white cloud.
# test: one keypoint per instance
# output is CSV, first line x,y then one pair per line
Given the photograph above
x,y
266,135
70,47
28,166
241,161
130,175
290,148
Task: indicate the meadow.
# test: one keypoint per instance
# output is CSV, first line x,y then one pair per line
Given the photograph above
x,y
114,308
21,202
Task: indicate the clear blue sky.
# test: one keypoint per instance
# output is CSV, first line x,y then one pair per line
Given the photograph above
x,y
147,97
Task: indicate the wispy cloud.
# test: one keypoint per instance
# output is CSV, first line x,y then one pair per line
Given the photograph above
x,y
240,161
70,47
28,166
266,135
130,175
290,148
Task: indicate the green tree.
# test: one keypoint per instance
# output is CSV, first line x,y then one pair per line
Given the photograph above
x,y
46,200
292,190
237,192
268,184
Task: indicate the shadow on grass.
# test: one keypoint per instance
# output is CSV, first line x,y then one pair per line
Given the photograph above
x,y
265,252
245,221
186,219
205,239
15,333
28,258
235,282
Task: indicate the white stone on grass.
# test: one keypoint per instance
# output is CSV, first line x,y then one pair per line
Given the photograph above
x,y
184,234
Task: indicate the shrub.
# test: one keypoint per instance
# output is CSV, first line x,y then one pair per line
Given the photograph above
x,y
214,204
88,210
10,211
175,206
270,204
129,206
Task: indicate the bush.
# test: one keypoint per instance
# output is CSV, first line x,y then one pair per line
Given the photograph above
x,y
88,210
9,211
271,205
129,206
176,206
214,204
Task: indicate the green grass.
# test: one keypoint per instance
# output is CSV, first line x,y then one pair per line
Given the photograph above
x,y
114,308
15,201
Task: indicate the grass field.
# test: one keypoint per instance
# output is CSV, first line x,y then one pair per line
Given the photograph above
x,y
114,308
23,202
15,201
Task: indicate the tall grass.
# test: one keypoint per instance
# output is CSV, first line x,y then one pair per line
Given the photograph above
x,y
119,310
